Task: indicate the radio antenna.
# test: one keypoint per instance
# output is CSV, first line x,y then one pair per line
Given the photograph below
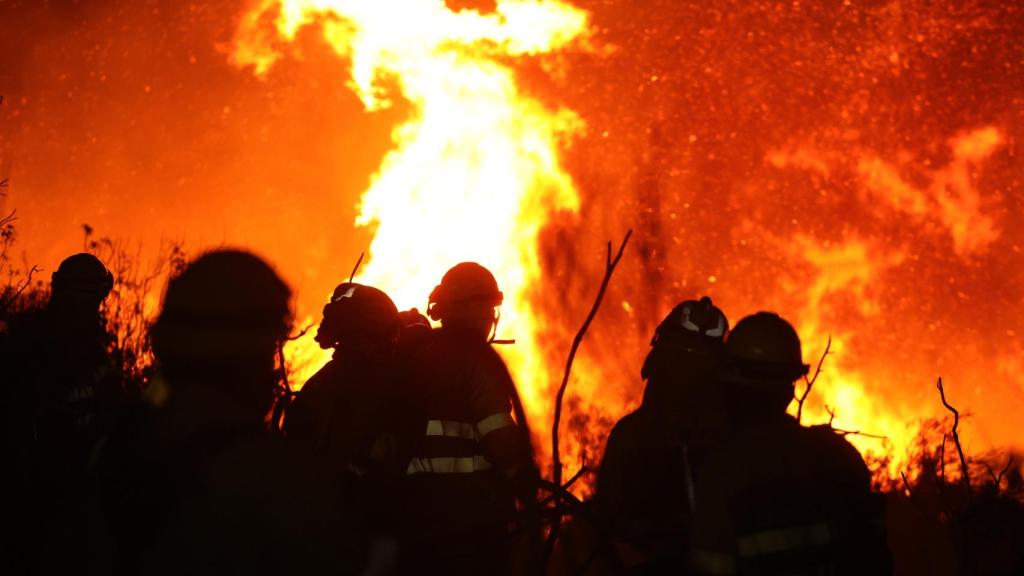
x,y
356,269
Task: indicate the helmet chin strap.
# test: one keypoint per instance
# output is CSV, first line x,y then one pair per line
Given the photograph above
x,y
494,329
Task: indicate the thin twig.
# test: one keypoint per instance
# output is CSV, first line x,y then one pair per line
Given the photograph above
x,y
842,432
809,382
1005,471
610,265
21,288
579,474
956,438
302,332
906,484
998,479
9,218
942,457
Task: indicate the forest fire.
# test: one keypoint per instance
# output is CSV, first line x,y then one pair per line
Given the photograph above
x,y
475,172
855,168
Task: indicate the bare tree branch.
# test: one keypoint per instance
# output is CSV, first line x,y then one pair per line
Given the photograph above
x,y
942,457
610,265
302,332
998,479
809,382
906,484
842,432
1005,470
831,415
956,438
20,289
9,218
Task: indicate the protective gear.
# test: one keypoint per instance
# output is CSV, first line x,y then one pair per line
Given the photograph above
x,y
83,273
356,309
462,477
778,498
764,347
464,283
694,327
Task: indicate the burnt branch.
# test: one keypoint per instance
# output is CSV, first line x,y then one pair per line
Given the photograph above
x,y
302,332
568,484
956,438
809,382
20,288
1006,470
610,266
997,479
609,270
906,484
831,415
942,457
842,432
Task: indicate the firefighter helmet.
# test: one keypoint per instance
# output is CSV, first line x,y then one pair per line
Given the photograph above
x,y
692,327
83,273
357,309
765,347
465,283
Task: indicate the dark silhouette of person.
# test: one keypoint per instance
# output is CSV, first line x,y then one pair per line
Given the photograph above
x,y
198,484
350,416
776,497
645,483
472,459
60,395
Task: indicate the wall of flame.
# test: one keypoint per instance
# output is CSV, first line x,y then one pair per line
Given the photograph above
x,y
853,166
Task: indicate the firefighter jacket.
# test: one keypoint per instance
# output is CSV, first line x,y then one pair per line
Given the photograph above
x,y
779,498
642,489
459,497
351,423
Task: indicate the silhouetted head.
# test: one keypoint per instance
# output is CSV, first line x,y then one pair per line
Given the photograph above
x,y
360,319
763,360
466,300
223,318
694,328
680,369
79,286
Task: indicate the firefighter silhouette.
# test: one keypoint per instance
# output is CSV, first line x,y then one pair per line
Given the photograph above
x,y
60,395
201,484
645,483
776,497
350,417
472,459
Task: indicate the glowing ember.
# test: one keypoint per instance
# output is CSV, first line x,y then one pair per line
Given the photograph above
x,y
475,172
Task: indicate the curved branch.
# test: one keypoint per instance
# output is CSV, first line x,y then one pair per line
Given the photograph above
x,y
956,438
809,382
610,265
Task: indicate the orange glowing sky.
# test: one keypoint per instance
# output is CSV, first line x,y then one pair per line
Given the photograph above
x,y
853,166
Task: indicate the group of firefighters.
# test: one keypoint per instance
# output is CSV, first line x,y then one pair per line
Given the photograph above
x,y
408,452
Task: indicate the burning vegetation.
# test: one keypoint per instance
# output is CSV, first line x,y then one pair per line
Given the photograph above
x,y
851,165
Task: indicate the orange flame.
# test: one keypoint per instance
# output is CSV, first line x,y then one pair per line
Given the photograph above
x,y
475,172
